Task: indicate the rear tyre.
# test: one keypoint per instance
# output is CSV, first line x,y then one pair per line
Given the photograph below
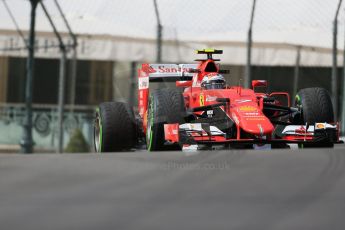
x,y
316,106
166,106
115,128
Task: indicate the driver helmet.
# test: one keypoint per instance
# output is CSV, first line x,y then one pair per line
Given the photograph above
x,y
213,81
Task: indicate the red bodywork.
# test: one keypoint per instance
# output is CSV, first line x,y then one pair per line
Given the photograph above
x,y
245,108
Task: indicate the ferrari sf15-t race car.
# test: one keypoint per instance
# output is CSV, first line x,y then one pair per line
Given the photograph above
x,y
203,111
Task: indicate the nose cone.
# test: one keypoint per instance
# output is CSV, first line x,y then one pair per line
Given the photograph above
x,y
257,125
252,120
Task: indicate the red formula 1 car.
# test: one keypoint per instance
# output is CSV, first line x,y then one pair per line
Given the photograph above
x,y
203,111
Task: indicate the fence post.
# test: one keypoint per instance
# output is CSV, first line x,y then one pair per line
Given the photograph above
x,y
296,73
248,76
74,57
342,116
159,34
334,66
27,141
132,88
61,89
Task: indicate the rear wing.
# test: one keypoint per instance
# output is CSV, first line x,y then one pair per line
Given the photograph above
x,y
168,72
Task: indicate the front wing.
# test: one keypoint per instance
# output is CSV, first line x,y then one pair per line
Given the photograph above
x,y
202,133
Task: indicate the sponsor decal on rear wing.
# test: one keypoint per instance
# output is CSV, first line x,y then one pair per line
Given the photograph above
x,y
168,72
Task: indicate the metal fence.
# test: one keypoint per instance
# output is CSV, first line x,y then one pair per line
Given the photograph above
x,y
45,126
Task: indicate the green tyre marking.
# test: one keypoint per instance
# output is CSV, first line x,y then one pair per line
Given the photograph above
x,y
100,136
151,124
298,98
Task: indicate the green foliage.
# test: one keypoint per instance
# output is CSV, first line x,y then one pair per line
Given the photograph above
x,y
77,143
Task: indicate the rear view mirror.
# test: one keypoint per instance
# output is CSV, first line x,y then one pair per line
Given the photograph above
x,y
259,83
183,83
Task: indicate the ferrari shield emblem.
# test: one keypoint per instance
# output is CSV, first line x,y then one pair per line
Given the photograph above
x,y
202,100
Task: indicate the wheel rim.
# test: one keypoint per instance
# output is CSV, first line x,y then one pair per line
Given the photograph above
x,y
98,133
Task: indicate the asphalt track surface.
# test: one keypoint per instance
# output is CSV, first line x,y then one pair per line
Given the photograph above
x,y
278,189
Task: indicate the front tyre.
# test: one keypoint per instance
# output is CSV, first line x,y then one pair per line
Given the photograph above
x,y
114,128
316,106
166,106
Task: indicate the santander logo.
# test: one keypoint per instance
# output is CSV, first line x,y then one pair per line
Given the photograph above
x,y
148,69
163,69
